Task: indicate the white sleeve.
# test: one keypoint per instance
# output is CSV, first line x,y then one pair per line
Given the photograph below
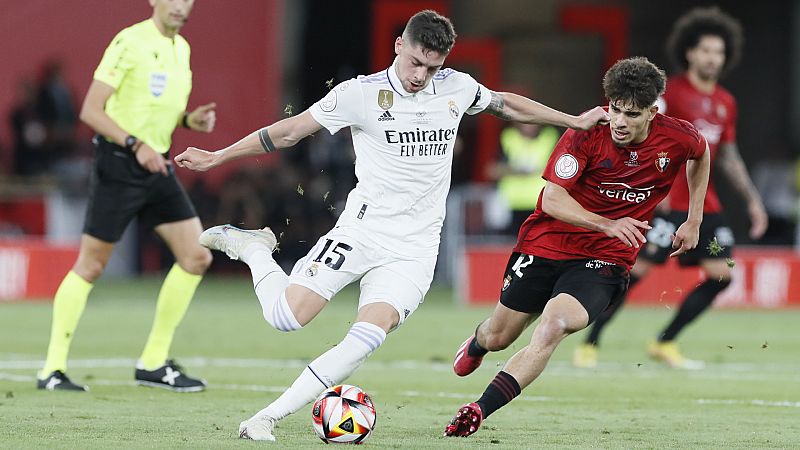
x,y
342,107
482,98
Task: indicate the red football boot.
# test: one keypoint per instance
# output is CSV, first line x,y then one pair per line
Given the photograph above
x,y
463,364
466,421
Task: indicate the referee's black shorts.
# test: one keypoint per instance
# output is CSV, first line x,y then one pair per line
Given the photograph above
x,y
121,189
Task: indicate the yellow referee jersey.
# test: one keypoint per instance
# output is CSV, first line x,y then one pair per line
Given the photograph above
x,y
152,80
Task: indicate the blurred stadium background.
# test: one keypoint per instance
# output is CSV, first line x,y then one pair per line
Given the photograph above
x,y
263,59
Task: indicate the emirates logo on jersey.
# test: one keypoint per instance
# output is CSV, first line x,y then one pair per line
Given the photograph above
x,y
662,161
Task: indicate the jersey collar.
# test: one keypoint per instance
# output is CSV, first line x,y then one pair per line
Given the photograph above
x,y
394,81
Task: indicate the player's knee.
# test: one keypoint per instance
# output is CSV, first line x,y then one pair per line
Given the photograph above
x,y
281,316
89,268
196,262
553,328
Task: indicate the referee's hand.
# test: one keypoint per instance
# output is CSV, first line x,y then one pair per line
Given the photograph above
x,y
151,160
203,118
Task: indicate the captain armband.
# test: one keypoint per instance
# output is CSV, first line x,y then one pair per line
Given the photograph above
x,y
266,142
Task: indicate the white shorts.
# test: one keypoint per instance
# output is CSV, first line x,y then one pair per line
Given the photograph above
x,y
338,259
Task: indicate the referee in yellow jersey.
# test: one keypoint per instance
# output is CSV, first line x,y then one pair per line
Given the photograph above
x,y
136,100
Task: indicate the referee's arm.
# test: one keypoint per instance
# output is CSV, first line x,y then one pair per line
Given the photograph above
x,y
93,113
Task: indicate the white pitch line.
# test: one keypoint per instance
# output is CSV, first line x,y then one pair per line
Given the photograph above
x,y
439,394
774,372
756,402
101,382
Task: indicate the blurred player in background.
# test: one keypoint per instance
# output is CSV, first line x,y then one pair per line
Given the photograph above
x,y
136,100
705,43
404,122
573,253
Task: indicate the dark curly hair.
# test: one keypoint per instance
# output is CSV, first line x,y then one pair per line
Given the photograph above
x,y
634,80
699,22
431,30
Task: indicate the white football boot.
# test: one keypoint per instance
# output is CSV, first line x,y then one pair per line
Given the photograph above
x,y
232,241
257,429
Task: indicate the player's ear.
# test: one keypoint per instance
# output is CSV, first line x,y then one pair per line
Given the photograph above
x,y
398,44
653,110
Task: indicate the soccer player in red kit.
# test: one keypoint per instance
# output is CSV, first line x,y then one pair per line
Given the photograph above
x,y
573,253
704,43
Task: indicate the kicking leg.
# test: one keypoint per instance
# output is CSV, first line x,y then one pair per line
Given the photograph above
x,y
286,307
369,331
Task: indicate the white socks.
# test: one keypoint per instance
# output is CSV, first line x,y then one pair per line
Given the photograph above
x,y
270,282
329,369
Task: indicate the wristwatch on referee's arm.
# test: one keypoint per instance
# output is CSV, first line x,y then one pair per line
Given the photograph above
x,y
132,143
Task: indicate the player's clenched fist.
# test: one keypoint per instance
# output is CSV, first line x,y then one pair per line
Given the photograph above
x,y
196,159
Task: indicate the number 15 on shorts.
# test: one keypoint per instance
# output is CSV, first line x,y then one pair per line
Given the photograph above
x,y
333,254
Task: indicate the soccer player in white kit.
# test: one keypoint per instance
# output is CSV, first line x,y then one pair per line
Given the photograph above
x,y
404,121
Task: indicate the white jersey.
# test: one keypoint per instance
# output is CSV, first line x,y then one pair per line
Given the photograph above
x,y
404,153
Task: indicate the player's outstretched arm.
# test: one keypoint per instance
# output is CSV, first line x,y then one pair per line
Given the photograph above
x,y
281,134
517,108
697,173
731,163
557,203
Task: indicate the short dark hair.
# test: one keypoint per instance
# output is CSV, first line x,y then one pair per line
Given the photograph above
x,y
634,80
699,22
431,30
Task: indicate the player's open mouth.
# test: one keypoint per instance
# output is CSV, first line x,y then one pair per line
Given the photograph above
x,y
620,134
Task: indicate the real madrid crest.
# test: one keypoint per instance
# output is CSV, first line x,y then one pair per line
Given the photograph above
x,y
662,161
385,98
312,270
453,109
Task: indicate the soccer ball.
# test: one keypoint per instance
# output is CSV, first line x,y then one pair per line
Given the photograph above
x,y
343,414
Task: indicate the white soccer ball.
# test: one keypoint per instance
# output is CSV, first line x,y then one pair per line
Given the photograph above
x,y
343,414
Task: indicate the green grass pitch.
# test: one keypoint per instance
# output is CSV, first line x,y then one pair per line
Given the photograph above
x,y
747,397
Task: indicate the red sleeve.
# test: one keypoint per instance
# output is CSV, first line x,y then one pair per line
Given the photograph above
x,y
568,160
729,132
697,147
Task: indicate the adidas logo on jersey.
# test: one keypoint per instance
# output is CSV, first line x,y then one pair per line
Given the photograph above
x,y
385,116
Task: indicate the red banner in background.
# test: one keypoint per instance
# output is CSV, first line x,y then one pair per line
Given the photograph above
x,y
763,277
32,268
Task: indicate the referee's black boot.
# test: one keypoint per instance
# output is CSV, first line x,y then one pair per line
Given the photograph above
x,y
58,381
169,376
